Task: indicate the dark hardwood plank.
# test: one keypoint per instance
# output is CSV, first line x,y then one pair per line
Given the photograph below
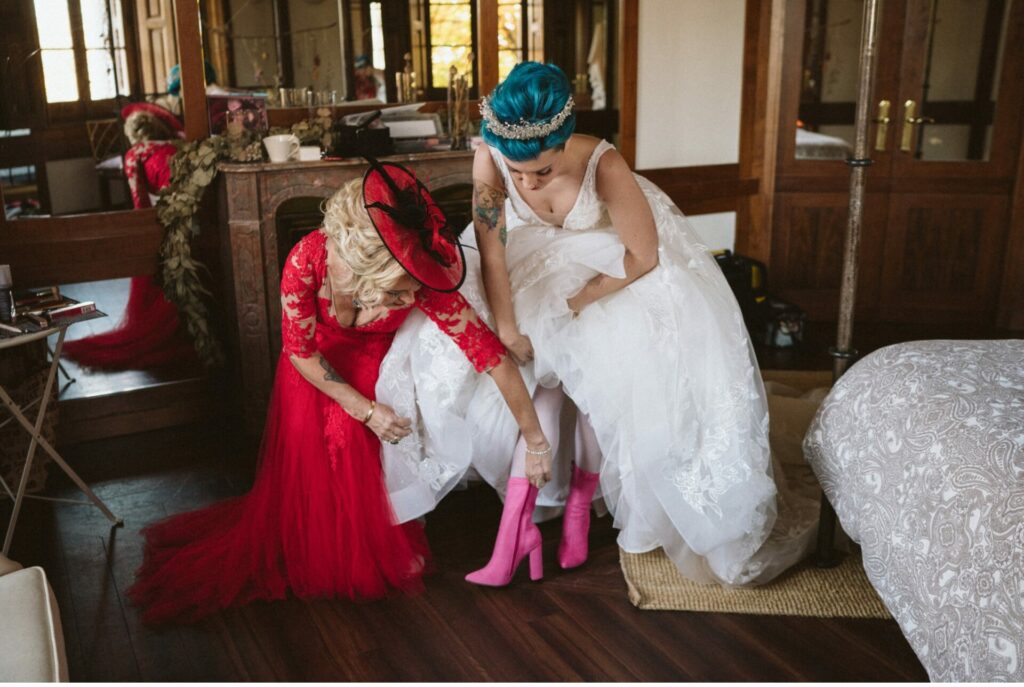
x,y
107,651
509,660
594,614
574,625
575,644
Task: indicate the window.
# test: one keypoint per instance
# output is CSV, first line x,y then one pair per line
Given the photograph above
x,y
451,40
510,36
105,53
441,34
53,22
83,50
377,35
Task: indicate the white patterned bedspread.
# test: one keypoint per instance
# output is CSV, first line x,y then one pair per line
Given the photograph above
x,y
920,449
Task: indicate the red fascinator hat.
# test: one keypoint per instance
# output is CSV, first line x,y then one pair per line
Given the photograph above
x,y
160,113
413,227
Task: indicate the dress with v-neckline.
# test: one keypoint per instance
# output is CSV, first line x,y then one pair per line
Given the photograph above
x,y
585,197
327,289
317,520
664,370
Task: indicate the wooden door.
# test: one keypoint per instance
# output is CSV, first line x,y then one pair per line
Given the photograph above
x,y
818,100
954,155
158,42
939,191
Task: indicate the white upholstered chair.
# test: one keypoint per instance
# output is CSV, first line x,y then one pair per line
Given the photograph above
x,y
31,639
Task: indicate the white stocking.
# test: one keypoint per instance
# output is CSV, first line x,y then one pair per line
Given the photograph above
x,y
548,403
588,453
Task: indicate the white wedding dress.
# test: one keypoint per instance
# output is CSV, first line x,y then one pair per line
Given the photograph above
x,y
663,368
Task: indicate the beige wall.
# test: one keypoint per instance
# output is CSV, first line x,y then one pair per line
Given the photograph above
x,y
690,80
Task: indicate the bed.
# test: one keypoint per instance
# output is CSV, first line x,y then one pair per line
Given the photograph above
x,y
920,449
811,145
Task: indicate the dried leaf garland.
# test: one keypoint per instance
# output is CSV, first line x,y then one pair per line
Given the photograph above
x,y
193,169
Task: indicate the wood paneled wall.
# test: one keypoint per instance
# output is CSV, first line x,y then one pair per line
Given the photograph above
x,y
629,26
193,72
79,248
1011,301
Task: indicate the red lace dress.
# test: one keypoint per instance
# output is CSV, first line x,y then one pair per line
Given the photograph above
x,y
148,334
318,520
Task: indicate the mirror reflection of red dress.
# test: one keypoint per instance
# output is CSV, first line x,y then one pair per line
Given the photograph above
x,y
148,334
318,520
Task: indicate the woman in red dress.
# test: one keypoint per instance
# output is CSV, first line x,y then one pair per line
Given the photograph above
x,y
149,334
318,520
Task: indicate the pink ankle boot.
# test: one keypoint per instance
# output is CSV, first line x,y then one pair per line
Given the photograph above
x,y
517,537
572,552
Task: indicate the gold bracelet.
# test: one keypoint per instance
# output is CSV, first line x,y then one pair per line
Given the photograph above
x,y
373,407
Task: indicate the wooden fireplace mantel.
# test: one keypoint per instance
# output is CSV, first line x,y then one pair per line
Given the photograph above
x,y
250,196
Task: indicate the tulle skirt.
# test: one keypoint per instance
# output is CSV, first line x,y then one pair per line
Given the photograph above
x,y
149,335
317,521
666,373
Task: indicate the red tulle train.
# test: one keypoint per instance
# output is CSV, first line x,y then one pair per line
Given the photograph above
x,y
147,336
317,521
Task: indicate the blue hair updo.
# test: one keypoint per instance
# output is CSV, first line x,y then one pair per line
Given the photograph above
x,y
534,93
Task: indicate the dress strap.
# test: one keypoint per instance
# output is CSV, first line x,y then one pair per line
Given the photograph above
x,y
600,149
520,206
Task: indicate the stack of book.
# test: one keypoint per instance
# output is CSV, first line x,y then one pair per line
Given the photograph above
x,y
41,308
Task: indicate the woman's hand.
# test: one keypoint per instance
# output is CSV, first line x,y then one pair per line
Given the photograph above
x,y
538,463
575,304
519,346
389,425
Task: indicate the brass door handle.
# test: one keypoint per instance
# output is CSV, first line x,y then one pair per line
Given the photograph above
x,y
882,132
909,122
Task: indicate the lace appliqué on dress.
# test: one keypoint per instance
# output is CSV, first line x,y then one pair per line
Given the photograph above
x,y
456,318
298,296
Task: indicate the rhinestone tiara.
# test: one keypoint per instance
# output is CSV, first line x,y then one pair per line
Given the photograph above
x,y
523,130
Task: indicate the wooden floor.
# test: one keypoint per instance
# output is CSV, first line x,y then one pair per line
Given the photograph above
x,y
575,625
110,296
96,404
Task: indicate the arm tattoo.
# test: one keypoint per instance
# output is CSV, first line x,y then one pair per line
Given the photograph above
x,y
330,375
488,203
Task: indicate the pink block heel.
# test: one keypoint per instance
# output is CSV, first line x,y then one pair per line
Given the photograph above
x,y
517,538
573,549
537,564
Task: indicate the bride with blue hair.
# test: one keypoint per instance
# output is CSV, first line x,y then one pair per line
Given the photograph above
x,y
630,339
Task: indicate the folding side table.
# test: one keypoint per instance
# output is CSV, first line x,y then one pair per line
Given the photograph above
x,y
35,431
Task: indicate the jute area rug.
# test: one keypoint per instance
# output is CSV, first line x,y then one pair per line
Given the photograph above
x,y
841,592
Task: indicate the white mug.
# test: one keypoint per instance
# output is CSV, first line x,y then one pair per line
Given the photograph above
x,y
309,153
282,148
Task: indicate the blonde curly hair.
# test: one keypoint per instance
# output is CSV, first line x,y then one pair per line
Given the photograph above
x,y
374,270
146,126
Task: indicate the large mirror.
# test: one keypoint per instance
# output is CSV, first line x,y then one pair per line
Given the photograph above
x,y
70,66
829,78
353,50
944,80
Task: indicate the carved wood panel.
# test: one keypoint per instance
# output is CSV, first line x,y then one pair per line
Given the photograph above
x,y
943,257
807,251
